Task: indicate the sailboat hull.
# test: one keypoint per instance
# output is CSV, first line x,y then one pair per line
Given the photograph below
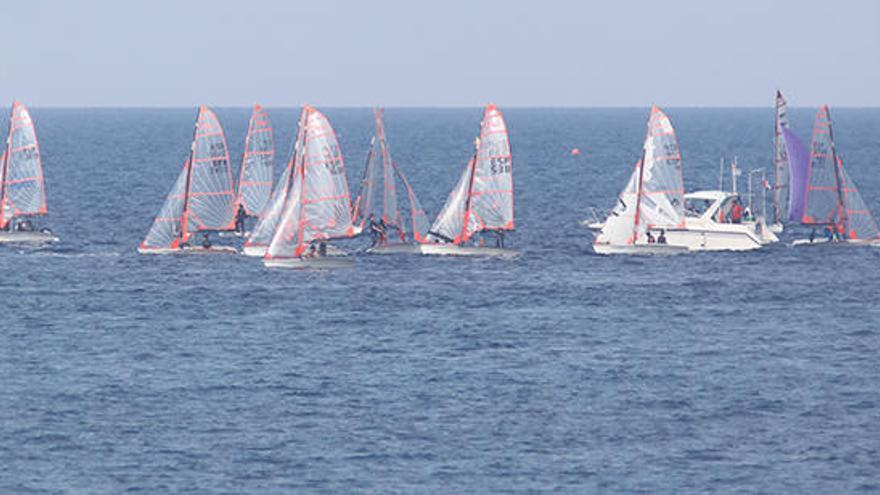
x,y
254,251
825,241
398,248
27,237
640,249
190,250
455,250
313,263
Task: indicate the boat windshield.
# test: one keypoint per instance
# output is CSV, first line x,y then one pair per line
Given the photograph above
x,y
696,207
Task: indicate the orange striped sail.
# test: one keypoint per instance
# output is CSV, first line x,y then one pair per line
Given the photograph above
x,y
22,190
319,205
257,164
202,198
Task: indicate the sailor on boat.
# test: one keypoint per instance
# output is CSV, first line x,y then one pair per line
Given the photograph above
x,y
206,241
661,239
240,216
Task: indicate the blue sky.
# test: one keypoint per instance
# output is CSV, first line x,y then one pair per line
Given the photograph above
x,y
442,53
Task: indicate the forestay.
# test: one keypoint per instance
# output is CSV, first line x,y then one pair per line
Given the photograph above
x,y
257,164
319,206
23,191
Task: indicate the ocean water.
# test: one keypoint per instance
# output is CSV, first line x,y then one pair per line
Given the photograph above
x,y
559,371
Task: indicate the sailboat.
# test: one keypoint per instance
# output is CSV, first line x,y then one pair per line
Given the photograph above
x,y
831,199
202,198
653,215
780,165
379,204
259,238
653,199
257,165
22,190
482,201
318,206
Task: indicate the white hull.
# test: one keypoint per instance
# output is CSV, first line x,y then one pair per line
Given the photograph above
x,y
824,240
395,249
643,249
27,237
255,251
776,228
743,239
440,249
260,251
315,263
190,250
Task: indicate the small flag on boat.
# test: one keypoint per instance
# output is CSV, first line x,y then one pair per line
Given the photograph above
x,y
575,152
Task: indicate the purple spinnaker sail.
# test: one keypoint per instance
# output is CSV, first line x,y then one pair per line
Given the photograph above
x,y
798,163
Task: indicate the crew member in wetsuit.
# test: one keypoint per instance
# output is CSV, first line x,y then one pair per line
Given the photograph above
x,y
375,231
240,215
499,239
322,248
650,237
661,239
206,241
383,232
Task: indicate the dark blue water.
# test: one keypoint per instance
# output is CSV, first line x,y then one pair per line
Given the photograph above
x,y
560,371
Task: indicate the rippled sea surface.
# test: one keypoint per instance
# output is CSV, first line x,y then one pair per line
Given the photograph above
x,y
560,371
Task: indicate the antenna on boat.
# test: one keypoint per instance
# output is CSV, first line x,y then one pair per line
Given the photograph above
x,y
734,173
721,174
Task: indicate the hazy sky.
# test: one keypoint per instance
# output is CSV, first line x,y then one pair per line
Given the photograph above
x,y
444,52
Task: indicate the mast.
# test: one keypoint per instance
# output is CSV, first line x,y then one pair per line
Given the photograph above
x,y
184,220
302,178
777,160
467,205
639,183
5,166
841,205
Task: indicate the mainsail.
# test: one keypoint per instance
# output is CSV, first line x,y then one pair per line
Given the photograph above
x,y
257,164
319,206
780,160
268,223
822,199
202,196
379,190
21,173
483,198
654,195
